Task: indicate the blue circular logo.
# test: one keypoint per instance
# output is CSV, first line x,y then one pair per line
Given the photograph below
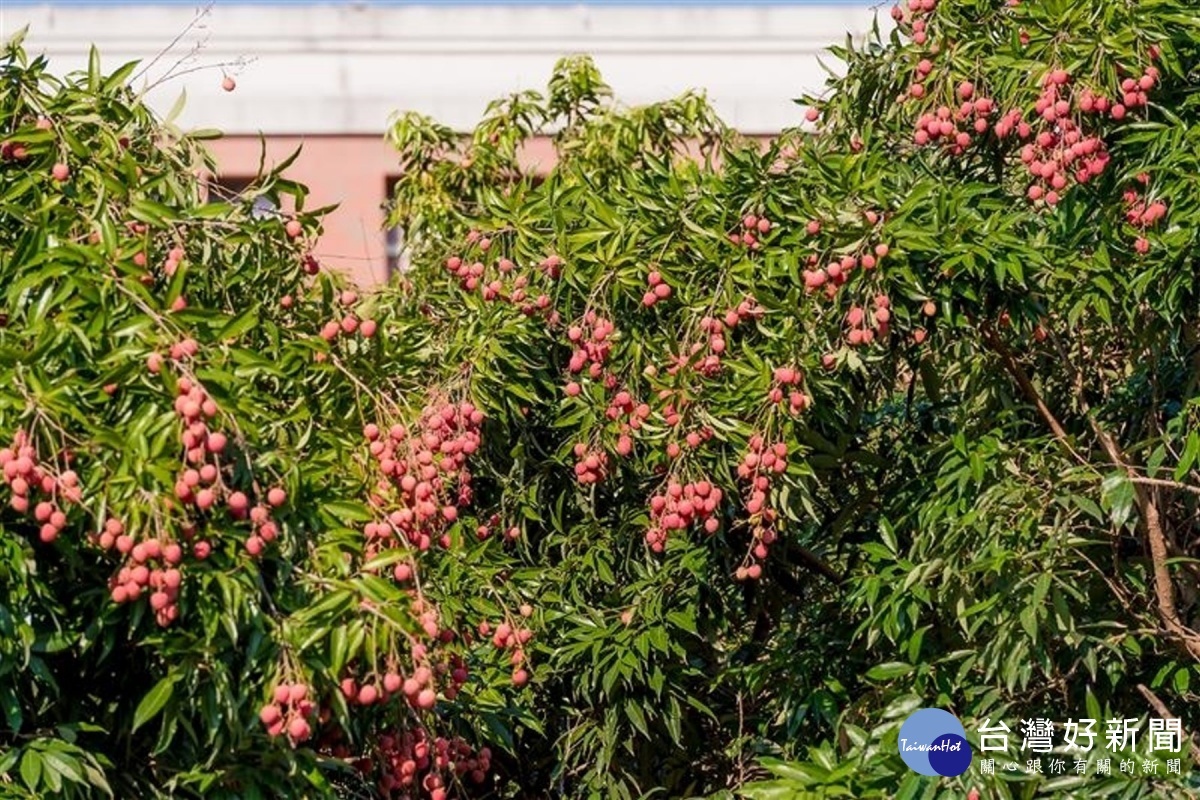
x,y
933,742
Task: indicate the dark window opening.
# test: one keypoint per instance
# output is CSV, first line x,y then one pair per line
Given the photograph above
x,y
395,242
230,188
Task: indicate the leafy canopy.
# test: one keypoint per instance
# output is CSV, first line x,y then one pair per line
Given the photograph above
x,y
683,463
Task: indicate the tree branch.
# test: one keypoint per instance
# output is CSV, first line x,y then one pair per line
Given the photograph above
x,y
1165,484
1161,708
814,563
1151,521
1030,391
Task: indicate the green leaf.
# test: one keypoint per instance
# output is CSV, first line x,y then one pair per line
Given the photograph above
x,y
93,73
1118,498
176,107
345,510
1190,451
31,769
240,324
154,701
62,765
888,671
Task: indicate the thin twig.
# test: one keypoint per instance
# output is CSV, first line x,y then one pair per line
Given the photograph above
x,y
200,14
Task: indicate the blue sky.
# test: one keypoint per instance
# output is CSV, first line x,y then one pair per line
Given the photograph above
x,y
446,2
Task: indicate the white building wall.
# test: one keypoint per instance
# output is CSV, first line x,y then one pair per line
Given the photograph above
x,y
343,69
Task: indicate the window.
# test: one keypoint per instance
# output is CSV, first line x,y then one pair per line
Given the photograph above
x,y
230,188
397,247
395,243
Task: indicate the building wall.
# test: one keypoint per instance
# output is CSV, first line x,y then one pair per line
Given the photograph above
x,y
328,75
350,170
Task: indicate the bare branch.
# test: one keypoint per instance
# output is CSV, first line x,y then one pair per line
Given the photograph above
x,y
1166,484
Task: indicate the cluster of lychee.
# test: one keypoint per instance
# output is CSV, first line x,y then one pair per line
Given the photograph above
x,y
706,364
265,529
473,276
450,672
834,275
17,151
761,463
754,228
349,323
914,22
410,761
529,307
1061,152
679,506
180,351
27,478
52,519
423,475
863,325
150,565
1134,90
592,343
137,229
1142,215
484,529
942,125
631,415
691,440
746,309
788,379
480,240
552,265
658,289
495,289
623,404
174,258
917,87
591,465
705,357
427,618
469,275
195,408
417,689
200,484
288,712
928,308
758,467
513,639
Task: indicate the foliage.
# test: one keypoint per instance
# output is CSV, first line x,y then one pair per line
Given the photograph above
x,y
186,482
997,471
732,454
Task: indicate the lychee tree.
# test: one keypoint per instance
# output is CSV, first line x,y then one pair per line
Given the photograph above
x,y
659,467
219,568
964,311
1038,559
